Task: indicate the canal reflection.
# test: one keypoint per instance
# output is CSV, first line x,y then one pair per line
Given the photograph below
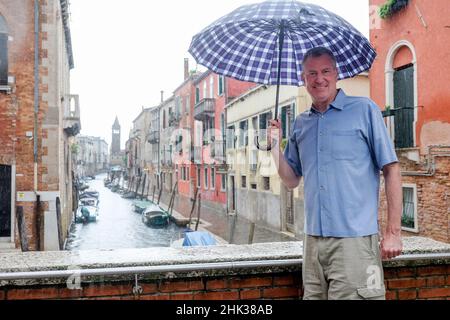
x,y
118,226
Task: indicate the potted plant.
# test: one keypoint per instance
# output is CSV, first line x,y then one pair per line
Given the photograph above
x,y
391,7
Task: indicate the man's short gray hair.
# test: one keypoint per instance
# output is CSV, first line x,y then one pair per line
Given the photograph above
x,y
318,52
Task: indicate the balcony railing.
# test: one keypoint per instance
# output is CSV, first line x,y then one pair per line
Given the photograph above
x,y
153,137
218,151
71,119
196,155
174,119
204,109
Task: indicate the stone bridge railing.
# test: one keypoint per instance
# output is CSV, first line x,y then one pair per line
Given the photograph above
x,y
228,272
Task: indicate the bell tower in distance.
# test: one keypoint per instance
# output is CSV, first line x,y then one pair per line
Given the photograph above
x,y
115,139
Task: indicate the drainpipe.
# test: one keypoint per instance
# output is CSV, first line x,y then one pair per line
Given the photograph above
x,y
431,162
36,91
224,138
159,150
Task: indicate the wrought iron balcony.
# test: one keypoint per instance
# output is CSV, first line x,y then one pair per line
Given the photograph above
x,y
204,109
71,119
153,137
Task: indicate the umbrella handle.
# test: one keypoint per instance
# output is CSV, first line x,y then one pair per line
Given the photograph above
x,y
267,147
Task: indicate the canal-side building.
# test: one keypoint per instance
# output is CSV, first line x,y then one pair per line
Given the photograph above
x,y
409,80
90,156
39,117
255,189
138,151
184,96
153,139
212,92
169,115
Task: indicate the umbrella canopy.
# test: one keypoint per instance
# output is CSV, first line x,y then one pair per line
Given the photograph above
x,y
246,43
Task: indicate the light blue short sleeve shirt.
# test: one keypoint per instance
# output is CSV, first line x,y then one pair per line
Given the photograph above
x,y
340,154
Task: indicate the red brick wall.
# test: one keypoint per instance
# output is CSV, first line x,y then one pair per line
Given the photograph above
x,y
17,108
402,283
411,283
433,200
276,286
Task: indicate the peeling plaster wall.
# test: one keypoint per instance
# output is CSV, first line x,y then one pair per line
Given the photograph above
x,y
434,133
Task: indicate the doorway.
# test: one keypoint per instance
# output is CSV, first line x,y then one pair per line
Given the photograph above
x,y
233,194
5,203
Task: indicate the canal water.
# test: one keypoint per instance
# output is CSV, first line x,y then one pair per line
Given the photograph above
x,y
118,226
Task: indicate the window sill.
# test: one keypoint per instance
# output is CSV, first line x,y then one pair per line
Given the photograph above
x,y
6,89
416,230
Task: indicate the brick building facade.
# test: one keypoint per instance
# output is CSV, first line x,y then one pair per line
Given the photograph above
x,y
39,118
408,79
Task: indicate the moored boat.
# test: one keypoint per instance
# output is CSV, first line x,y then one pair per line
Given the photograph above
x,y
156,217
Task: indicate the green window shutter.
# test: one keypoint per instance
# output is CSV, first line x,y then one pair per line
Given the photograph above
x,y
404,102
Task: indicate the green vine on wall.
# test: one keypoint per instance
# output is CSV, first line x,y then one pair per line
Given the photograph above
x,y
391,6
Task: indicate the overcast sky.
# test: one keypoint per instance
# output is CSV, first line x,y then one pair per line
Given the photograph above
x,y
126,52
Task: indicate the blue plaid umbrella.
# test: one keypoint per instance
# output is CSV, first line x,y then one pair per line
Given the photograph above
x,y
265,43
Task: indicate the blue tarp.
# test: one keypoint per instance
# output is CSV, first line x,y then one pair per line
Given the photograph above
x,y
198,238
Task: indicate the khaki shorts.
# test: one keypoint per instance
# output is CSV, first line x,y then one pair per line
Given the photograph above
x,y
342,269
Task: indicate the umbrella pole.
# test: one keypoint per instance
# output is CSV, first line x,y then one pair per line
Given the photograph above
x,y
277,99
280,50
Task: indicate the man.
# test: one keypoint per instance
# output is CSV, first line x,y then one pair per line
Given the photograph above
x,y
339,147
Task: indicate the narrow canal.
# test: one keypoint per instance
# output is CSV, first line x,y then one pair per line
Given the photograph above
x,y
118,226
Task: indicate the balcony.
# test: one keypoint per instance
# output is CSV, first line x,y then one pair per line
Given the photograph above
x,y
204,109
196,155
253,160
71,118
174,119
153,137
218,151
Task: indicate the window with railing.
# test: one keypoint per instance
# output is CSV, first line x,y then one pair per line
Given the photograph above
x,y
221,83
231,138
287,118
223,182
211,87
409,214
213,178
243,133
263,125
187,105
197,95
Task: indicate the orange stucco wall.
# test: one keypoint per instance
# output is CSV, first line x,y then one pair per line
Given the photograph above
x,y
431,44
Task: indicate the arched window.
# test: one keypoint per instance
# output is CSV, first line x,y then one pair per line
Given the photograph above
x,y
3,52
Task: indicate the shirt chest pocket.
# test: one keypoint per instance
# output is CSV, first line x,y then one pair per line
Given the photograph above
x,y
346,144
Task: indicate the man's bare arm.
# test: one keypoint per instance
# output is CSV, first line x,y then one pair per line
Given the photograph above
x,y
391,246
